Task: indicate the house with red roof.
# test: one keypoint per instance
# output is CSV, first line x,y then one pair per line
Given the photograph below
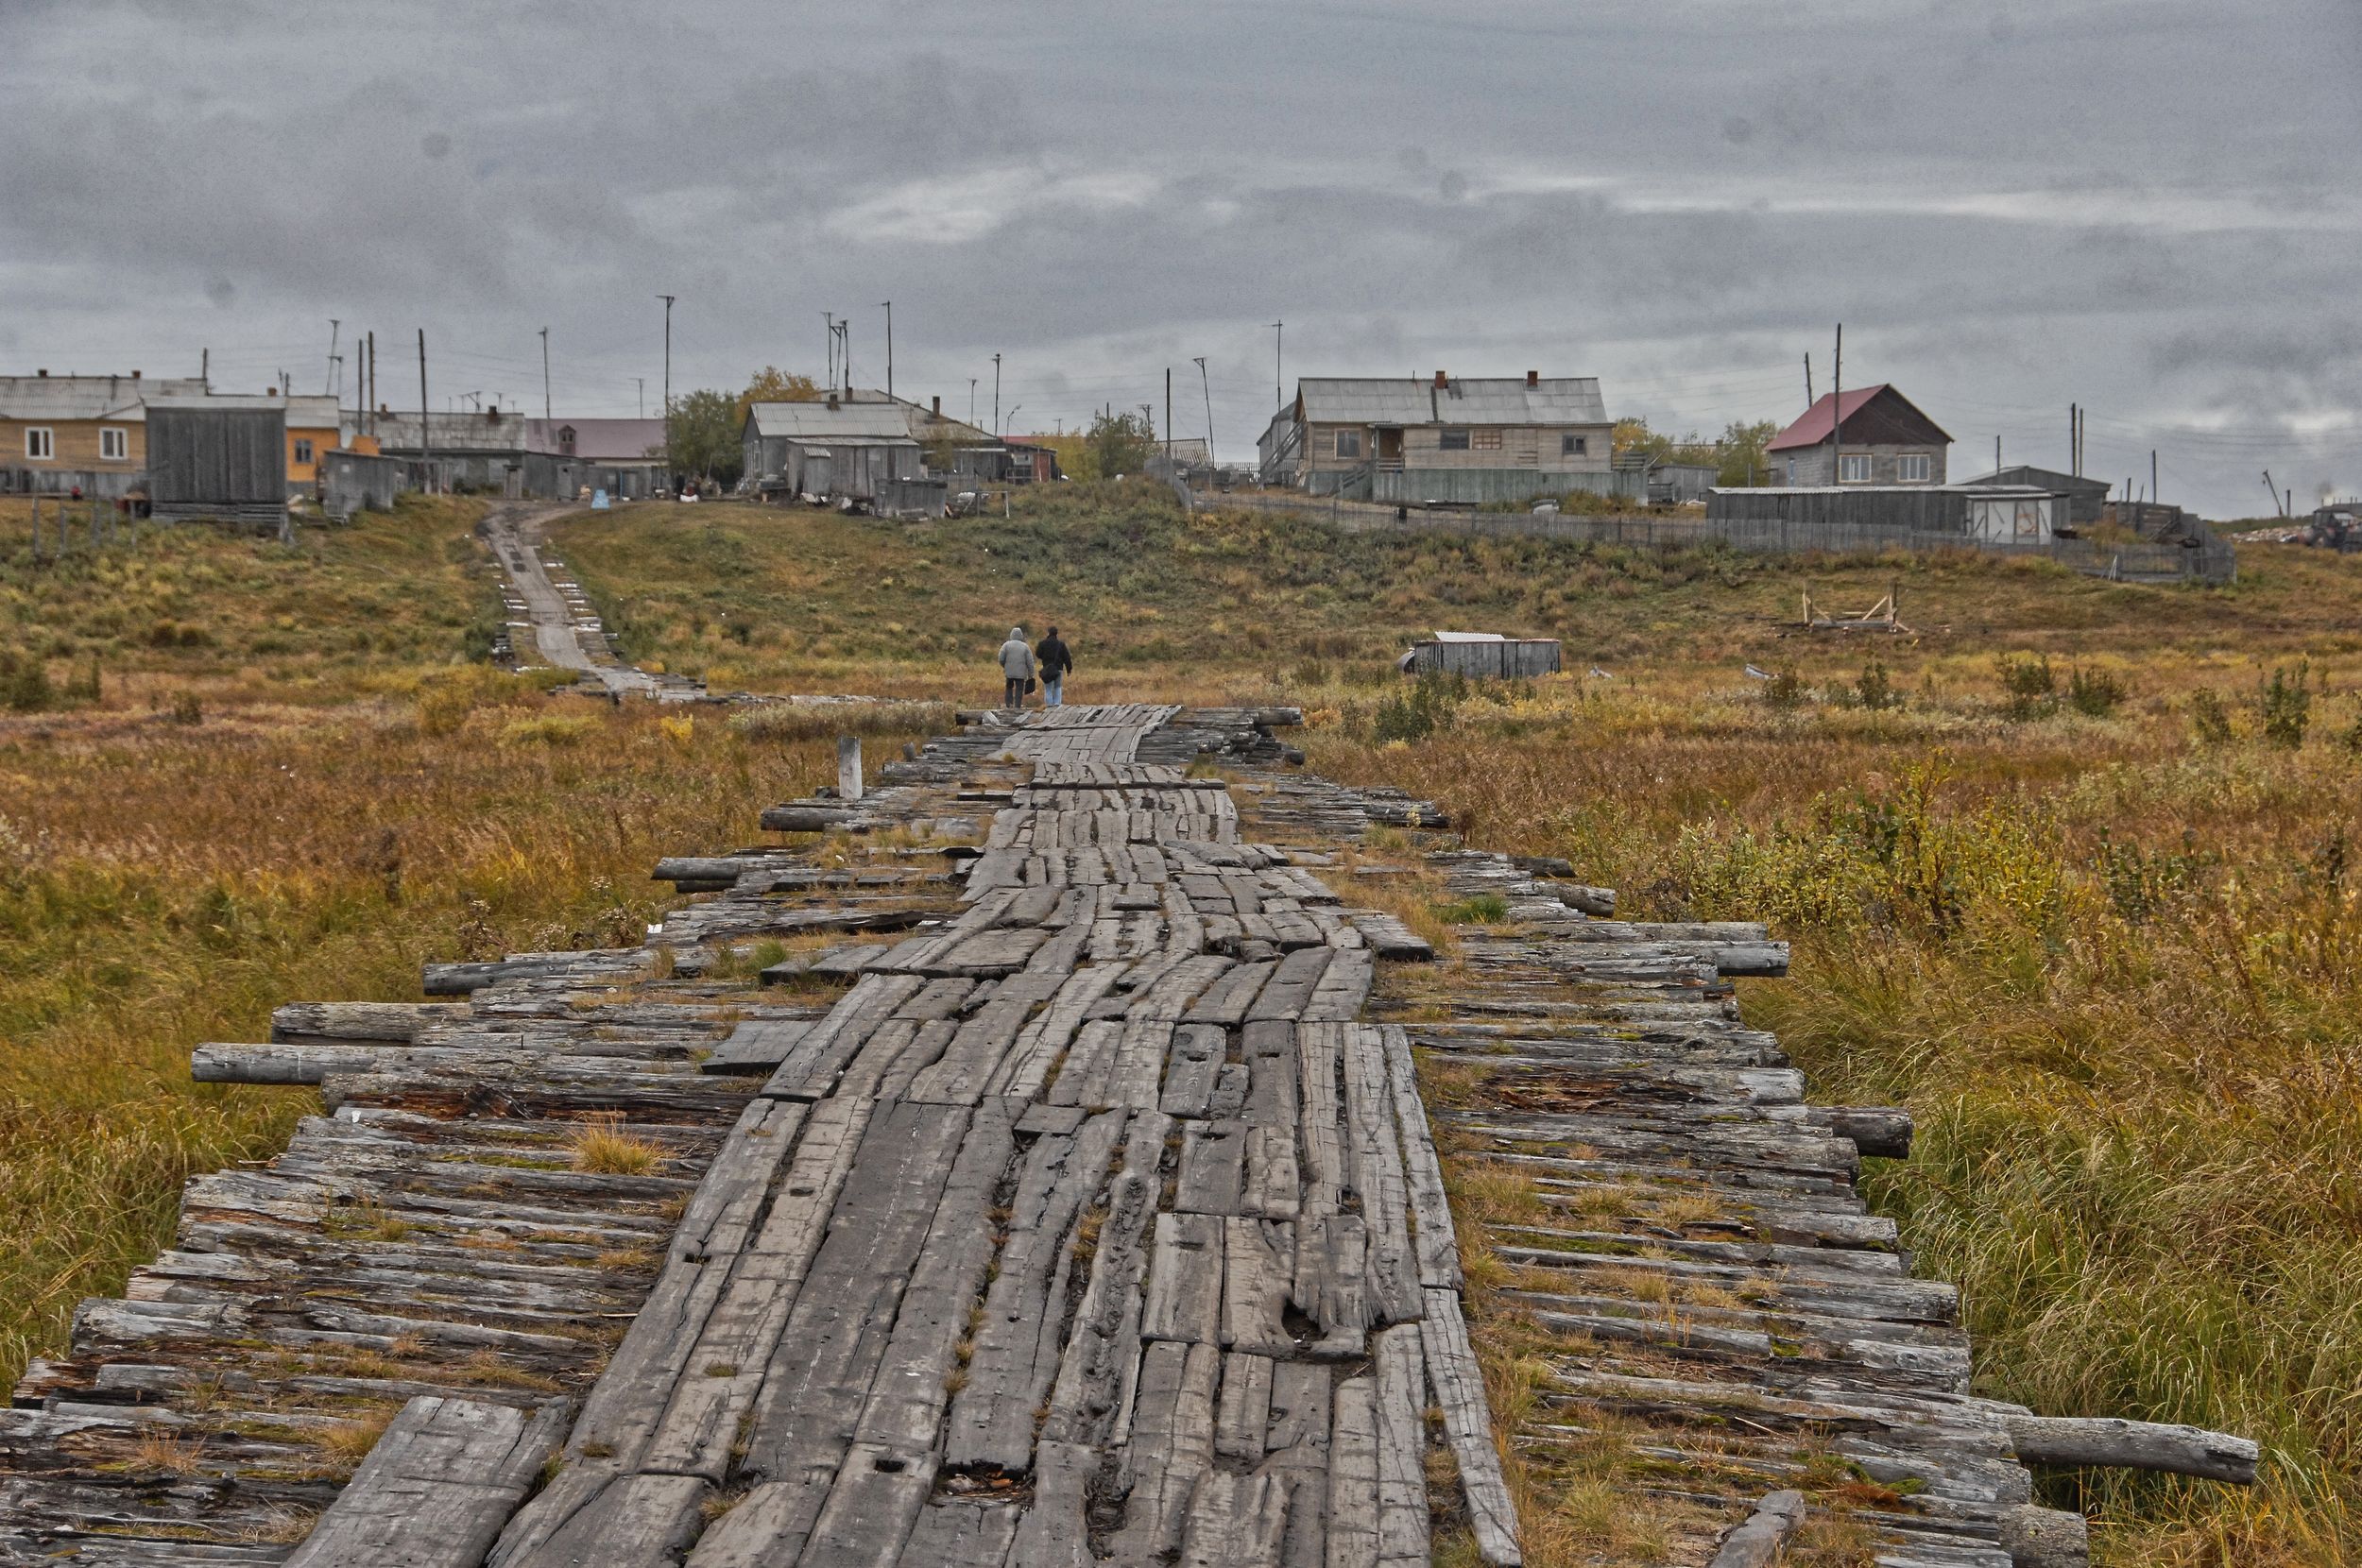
x,y
1872,435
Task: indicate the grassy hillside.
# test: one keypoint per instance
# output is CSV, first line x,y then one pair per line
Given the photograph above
x,y
290,783
342,612
804,600
2070,870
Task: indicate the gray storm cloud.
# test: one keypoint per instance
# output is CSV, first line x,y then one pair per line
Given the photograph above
x,y
2146,206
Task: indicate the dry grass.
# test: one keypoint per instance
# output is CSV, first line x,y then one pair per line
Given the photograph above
x,y
348,1443
602,1148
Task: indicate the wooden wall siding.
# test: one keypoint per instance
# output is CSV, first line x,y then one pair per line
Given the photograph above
x,y
204,456
1513,658
1528,447
74,444
1818,465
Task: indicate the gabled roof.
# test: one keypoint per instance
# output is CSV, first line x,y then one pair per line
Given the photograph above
x,y
2049,479
818,421
1470,400
1897,418
596,440
86,397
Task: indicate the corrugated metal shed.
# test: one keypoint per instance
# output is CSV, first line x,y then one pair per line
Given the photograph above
x,y
1471,401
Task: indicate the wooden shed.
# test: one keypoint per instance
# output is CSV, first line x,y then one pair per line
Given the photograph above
x,y
1482,656
222,457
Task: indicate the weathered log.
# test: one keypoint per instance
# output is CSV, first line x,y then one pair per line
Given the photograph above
x,y
1880,1130
437,1488
1590,900
797,816
2046,1538
2134,1446
312,1023
1759,1541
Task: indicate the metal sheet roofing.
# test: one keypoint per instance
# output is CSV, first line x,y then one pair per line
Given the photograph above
x,y
1818,423
1469,401
85,397
818,421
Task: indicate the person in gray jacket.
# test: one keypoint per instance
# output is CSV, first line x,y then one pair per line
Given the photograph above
x,y
1016,668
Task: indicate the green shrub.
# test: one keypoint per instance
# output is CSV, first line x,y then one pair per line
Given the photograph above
x,y
1875,688
2028,687
1485,909
24,683
1785,692
2287,704
1431,703
2095,692
2210,719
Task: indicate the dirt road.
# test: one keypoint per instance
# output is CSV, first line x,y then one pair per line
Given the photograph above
x,y
565,628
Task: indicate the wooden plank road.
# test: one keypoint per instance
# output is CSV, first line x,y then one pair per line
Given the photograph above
x,y
1080,1207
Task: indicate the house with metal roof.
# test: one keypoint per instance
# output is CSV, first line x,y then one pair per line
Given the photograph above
x,y
59,433
2086,497
830,450
1871,436
1464,439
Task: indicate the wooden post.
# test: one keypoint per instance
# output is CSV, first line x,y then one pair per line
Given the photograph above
x,y
849,767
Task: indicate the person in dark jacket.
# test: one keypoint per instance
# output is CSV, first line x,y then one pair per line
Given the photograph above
x,y
1055,660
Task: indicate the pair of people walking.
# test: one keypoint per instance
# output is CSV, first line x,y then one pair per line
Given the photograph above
x,y
1047,662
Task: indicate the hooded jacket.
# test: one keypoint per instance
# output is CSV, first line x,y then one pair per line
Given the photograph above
x,y
1054,658
1017,660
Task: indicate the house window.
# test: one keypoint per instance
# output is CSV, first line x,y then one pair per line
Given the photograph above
x,y
1574,446
303,449
40,445
1791,470
1853,468
1485,441
1914,468
1452,440
1348,443
114,444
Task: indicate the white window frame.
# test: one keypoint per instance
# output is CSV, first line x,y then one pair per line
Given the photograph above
x,y
1914,468
1846,462
303,449
114,444
1485,440
40,444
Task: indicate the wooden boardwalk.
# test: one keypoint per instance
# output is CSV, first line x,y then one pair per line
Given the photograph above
x,y
1074,1204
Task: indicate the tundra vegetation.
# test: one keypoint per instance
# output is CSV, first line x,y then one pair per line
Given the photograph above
x,y
2070,869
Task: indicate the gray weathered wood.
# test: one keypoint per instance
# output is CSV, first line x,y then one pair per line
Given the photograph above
x,y
435,1489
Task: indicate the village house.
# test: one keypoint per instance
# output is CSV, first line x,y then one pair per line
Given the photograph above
x,y
1471,440
566,458
1880,439
829,449
2086,498
58,434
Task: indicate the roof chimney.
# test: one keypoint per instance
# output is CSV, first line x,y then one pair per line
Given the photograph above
x,y
1533,378
135,375
270,391
45,372
831,399
1442,380
938,405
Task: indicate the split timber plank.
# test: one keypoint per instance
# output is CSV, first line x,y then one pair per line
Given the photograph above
x,y
1437,1243
1172,1447
1459,1386
437,1488
1378,1176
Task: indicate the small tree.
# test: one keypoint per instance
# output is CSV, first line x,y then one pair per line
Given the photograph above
x,y
772,385
1121,443
1738,455
701,436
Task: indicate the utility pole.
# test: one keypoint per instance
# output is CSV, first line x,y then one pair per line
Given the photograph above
x,y
2152,475
1278,382
844,357
333,362
641,383
2075,441
996,394
426,439
829,318
1836,409
972,402
1167,416
889,310
205,370
369,385
1997,456
1207,388
667,376
1808,378
545,373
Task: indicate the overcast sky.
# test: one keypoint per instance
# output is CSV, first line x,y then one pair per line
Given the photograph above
x,y
2154,207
